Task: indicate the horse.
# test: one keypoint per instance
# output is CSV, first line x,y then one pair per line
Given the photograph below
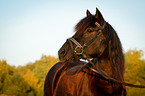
x,y
94,40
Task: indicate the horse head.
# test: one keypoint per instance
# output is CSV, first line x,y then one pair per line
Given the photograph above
x,y
91,37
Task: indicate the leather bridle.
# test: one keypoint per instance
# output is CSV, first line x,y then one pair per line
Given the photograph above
x,y
79,46
96,69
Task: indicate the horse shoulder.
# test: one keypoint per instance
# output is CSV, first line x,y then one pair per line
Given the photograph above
x,y
50,77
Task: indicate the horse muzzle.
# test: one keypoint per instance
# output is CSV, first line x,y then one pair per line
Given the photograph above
x,y
65,52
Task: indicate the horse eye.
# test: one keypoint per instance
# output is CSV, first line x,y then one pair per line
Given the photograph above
x,y
89,30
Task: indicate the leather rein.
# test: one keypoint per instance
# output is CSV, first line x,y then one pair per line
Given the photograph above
x,y
96,69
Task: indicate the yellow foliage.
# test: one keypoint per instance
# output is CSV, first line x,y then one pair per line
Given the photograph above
x,y
134,71
31,79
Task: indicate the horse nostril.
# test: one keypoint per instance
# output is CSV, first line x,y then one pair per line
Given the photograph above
x,y
63,52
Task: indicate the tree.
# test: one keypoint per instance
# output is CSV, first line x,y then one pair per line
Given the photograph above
x,y
43,65
133,58
135,70
32,80
25,80
17,86
6,72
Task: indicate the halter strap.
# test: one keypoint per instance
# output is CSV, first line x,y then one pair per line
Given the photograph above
x,y
75,41
100,30
79,46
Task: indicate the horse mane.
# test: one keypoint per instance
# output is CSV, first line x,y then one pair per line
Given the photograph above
x,y
116,54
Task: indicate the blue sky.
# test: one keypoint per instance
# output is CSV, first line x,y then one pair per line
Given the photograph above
x,y
30,28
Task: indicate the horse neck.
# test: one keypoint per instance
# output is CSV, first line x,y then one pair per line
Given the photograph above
x,y
105,64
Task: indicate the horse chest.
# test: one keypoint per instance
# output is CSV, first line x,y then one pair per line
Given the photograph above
x,y
78,85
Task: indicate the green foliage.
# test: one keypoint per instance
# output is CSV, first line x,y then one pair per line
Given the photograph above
x,y
42,66
13,90
16,85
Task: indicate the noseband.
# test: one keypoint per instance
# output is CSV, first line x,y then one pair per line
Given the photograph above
x,y
79,46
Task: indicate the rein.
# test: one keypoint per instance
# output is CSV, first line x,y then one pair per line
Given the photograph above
x,y
110,78
96,69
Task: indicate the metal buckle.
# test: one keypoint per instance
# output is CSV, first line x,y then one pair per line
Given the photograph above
x,y
79,50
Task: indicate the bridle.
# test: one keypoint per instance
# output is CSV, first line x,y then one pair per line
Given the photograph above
x,y
79,46
96,69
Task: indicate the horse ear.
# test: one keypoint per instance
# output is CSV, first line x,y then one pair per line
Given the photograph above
x,y
88,13
99,17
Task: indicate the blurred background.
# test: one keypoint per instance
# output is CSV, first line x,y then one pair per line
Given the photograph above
x,y
31,33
